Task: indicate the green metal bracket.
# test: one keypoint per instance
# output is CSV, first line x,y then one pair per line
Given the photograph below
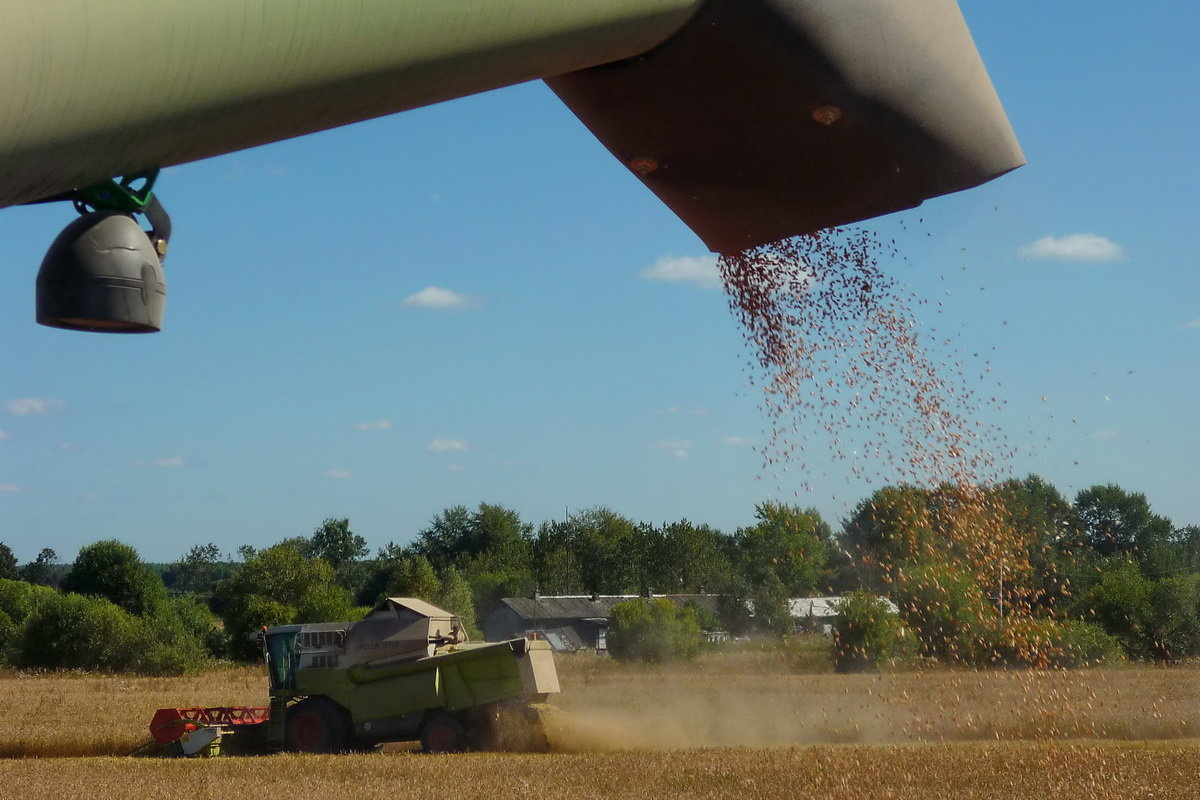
x,y
120,195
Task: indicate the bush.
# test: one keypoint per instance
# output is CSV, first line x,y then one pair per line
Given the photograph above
x,y
653,630
868,634
1051,644
18,599
1174,621
75,631
948,612
1120,604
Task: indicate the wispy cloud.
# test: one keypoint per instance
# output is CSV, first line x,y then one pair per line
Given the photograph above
x,y
33,406
1074,247
4,435
448,446
378,425
674,448
339,474
167,462
736,441
1102,435
435,298
699,271
1193,325
9,488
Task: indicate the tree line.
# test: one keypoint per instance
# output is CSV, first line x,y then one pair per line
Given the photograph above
x,y
1002,574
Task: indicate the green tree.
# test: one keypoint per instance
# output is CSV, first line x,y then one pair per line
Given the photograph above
x,y
653,630
1120,603
198,569
1117,522
42,570
890,529
455,595
558,566
277,586
114,571
695,559
336,543
605,544
8,563
1046,521
782,557
448,538
414,577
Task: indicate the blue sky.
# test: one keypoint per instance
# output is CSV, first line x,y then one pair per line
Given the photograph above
x,y
457,305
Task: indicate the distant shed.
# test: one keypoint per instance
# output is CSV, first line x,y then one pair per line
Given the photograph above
x,y
569,622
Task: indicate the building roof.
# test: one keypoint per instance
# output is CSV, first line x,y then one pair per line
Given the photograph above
x,y
585,607
822,607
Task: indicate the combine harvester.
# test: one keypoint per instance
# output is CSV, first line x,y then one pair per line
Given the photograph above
x,y
405,672
753,120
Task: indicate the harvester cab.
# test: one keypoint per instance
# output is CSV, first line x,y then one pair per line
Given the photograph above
x,y
405,672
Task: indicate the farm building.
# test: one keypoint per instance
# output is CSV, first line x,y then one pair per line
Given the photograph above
x,y
819,613
580,622
575,622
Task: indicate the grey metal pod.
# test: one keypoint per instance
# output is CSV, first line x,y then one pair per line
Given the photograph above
x,y
102,274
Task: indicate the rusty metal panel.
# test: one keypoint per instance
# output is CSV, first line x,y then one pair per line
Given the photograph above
x,y
764,119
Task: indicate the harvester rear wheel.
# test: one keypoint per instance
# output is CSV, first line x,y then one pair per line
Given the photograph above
x,y
442,733
315,725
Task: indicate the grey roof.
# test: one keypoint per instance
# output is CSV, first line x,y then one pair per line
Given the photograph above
x,y
583,607
824,607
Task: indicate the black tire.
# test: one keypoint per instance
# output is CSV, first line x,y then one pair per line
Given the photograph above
x,y
316,725
442,733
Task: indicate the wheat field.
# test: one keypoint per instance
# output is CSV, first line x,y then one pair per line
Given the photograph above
x,y
744,725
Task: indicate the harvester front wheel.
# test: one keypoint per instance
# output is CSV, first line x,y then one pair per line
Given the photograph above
x,y
315,725
442,733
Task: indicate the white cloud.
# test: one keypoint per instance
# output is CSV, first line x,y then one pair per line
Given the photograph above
x,y
1074,247
4,435
33,406
436,298
1103,435
674,448
168,462
9,488
699,271
67,447
378,425
448,446
736,441
455,468
1194,324
339,474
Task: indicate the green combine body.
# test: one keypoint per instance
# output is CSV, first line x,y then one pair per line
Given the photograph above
x,y
405,672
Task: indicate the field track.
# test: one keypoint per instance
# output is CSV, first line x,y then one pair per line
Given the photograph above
x,y
1004,771
739,726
